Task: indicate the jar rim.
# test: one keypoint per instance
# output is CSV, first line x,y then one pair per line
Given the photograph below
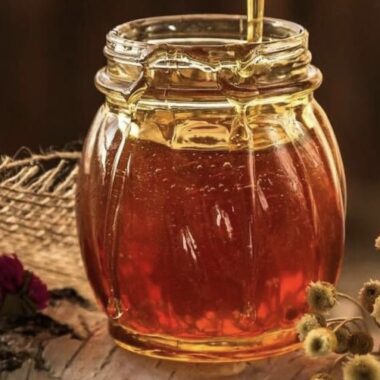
x,y
132,38
204,50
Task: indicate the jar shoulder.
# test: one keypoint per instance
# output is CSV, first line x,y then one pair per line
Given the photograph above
x,y
215,126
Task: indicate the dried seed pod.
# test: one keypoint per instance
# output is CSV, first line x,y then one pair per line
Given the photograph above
x,y
309,322
368,294
362,367
360,343
343,336
321,296
320,342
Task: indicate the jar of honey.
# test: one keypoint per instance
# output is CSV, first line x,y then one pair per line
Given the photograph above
x,y
211,189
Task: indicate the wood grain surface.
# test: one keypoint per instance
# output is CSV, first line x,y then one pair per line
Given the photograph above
x,y
85,351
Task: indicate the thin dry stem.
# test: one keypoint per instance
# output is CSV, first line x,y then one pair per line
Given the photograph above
x,y
350,320
353,300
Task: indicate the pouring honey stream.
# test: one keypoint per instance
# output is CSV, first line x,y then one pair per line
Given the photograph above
x,y
255,18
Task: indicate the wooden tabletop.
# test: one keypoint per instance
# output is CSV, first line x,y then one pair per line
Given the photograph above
x,y
75,345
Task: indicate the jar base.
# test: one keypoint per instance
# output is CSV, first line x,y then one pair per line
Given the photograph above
x,y
218,350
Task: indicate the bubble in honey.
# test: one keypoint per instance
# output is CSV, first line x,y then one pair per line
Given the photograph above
x,y
114,308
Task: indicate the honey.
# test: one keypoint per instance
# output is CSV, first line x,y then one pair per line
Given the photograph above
x,y
255,18
208,201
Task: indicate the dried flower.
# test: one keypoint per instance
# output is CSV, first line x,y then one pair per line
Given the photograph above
x,y
320,342
343,336
376,310
21,291
377,243
38,292
309,322
362,367
321,296
11,274
368,294
322,376
360,343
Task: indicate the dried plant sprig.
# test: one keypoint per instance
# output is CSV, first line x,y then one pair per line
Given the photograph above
x,y
360,343
368,294
309,322
343,336
320,342
362,367
354,301
322,376
358,322
321,296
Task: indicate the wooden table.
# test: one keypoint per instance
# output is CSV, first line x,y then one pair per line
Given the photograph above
x,y
83,350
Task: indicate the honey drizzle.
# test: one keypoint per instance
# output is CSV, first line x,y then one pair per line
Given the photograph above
x,y
255,18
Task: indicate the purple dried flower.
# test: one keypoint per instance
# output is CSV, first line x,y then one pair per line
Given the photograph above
x,y
38,292
21,292
11,274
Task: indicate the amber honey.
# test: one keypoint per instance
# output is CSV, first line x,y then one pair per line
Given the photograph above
x,y
215,244
203,249
205,210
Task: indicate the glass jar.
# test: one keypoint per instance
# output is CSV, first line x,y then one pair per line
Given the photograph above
x,y
211,190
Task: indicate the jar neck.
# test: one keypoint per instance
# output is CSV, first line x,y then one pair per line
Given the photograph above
x,y
199,53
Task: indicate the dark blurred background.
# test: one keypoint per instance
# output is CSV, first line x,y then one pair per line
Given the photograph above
x,y
51,49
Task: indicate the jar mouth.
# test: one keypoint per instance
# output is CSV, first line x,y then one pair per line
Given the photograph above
x,y
219,31
206,52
